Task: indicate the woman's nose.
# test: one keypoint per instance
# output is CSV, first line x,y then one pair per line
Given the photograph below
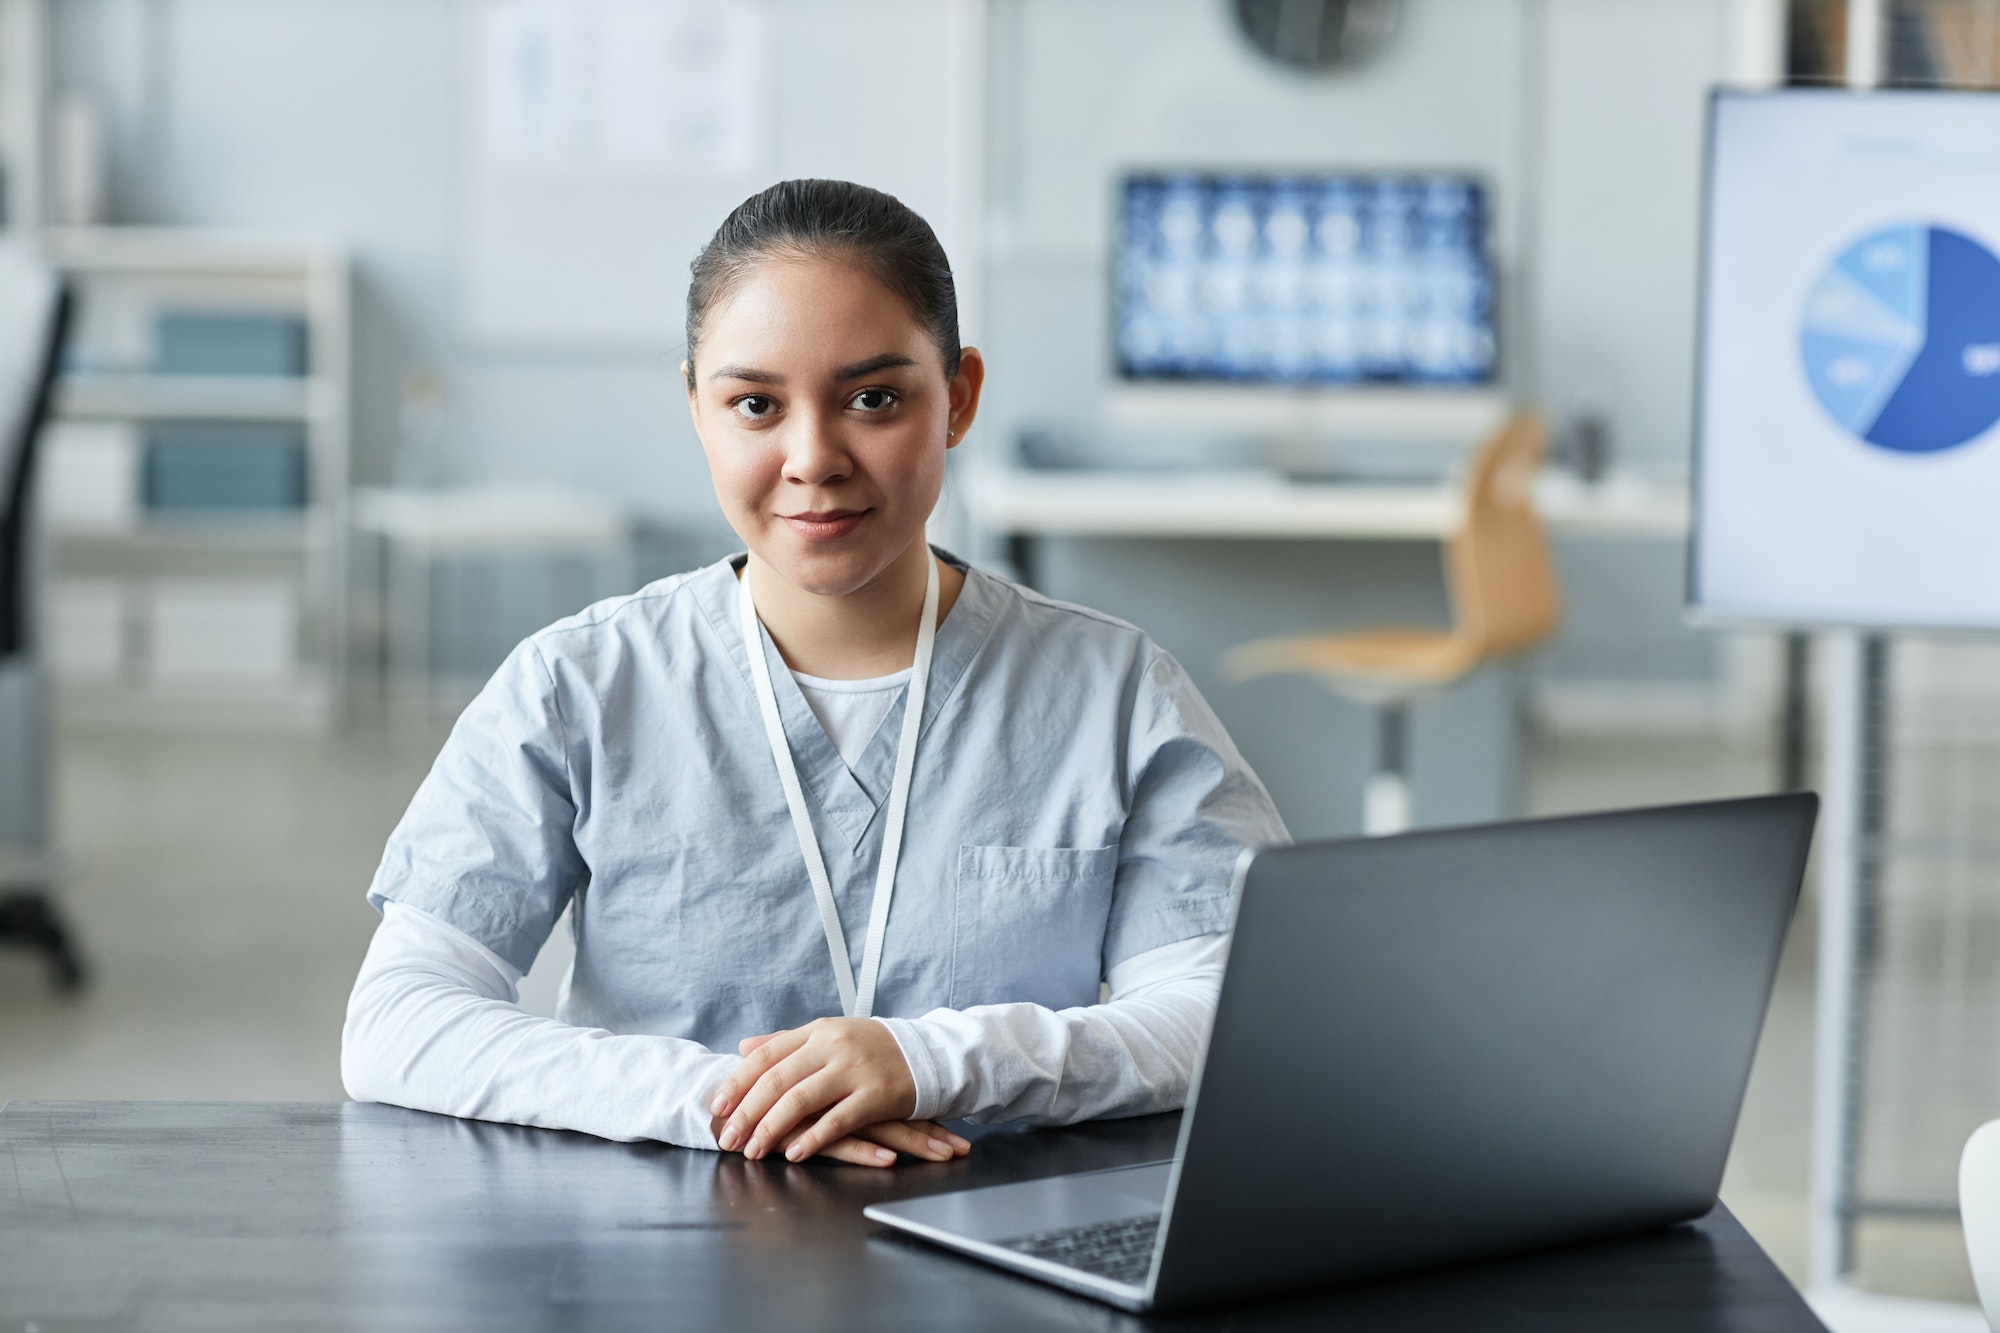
x,y
815,453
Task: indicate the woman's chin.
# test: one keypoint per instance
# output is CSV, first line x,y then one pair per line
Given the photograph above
x,y
825,572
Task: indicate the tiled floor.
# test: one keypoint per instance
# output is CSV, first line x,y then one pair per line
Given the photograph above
x,y
216,883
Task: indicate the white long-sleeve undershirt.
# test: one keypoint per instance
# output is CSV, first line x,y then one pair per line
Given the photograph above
x,y
433,1024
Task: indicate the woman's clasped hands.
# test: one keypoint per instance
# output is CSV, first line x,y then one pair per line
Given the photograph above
x,y
837,1087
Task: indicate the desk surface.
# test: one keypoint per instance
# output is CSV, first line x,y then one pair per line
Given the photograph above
x,y
167,1215
1248,503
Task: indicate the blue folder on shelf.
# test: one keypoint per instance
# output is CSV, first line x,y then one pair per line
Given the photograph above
x,y
229,342
225,465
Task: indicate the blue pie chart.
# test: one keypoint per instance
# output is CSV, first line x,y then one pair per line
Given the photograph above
x,y
1901,339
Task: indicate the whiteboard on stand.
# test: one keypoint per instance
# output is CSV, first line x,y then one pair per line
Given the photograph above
x,y
1847,456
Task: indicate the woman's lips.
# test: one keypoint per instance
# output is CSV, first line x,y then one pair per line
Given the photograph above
x,y
826,524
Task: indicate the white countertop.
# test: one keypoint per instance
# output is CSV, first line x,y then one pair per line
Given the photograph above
x,y
472,520
1249,503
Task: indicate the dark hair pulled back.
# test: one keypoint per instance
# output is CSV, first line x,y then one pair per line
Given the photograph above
x,y
836,220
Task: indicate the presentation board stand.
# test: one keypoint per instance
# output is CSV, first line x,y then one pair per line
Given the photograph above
x,y
1853,796
1847,449
1853,716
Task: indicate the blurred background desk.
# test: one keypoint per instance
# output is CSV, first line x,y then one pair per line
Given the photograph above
x,y
165,1215
1023,503
418,528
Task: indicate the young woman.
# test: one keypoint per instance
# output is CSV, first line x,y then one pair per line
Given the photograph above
x,y
850,831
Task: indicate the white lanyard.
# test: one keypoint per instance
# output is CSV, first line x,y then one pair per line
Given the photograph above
x,y
857,997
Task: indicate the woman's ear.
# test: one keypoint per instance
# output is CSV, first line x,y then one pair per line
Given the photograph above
x,y
964,390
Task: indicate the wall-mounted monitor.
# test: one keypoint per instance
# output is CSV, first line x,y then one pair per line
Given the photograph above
x,y
1847,449
1307,309
1344,279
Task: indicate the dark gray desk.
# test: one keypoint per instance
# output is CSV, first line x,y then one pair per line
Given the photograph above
x,y
162,1215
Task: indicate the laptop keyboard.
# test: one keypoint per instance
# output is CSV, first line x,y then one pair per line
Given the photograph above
x,y
1121,1249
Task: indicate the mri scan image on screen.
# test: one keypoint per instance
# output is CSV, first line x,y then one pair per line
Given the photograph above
x,y
1352,279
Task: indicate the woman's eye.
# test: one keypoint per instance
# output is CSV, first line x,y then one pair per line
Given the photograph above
x,y
872,400
754,406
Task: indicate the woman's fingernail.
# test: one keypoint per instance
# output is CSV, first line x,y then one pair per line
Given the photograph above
x,y
963,1145
884,1155
716,1107
796,1152
728,1140
940,1147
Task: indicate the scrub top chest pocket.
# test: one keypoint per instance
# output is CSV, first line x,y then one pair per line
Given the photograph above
x,y
1028,924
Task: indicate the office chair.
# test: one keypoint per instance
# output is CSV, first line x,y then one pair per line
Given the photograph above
x,y
34,315
1503,598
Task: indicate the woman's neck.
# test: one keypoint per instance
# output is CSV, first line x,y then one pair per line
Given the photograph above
x,y
869,632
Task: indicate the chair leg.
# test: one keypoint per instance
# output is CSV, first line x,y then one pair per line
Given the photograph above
x,y
1385,802
30,919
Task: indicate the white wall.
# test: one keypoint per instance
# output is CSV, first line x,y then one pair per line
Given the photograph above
x,y
1624,97
347,116
1086,91
1622,106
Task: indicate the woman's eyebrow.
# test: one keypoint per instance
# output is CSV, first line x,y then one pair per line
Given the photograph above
x,y
745,373
871,365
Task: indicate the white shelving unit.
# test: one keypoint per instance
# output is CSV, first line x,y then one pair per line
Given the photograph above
x,y
186,398
123,278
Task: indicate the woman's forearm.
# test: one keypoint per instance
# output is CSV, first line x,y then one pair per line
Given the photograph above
x,y
432,1025
1132,1055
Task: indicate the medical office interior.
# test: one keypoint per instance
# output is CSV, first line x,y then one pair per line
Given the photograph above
x,y
370,370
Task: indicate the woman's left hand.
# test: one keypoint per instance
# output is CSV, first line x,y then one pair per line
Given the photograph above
x,y
848,1071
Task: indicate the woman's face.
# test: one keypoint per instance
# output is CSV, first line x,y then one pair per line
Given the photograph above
x,y
824,410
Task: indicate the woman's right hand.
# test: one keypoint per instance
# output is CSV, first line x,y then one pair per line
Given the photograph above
x,y
877,1145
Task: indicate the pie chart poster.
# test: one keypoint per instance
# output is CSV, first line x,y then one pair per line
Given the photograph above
x,y
1847,459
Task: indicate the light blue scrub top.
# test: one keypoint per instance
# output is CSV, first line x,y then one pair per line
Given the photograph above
x,y
1074,803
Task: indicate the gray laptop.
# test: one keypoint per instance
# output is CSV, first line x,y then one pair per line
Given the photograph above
x,y
1437,1047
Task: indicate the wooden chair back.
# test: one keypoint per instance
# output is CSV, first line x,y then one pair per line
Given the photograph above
x,y
1503,585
